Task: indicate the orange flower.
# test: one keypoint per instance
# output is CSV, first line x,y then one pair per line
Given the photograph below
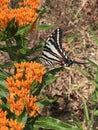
x,y
14,125
25,14
16,106
19,86
33,70
31,107
5,123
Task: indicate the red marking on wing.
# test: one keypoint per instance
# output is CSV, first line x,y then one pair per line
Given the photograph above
x,y
62,62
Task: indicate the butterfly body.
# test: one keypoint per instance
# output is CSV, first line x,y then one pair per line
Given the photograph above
x,y
53,51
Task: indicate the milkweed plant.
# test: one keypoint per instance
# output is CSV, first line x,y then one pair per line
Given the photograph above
x,y
20,102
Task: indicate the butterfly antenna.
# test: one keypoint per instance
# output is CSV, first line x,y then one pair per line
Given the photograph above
x,y
76,62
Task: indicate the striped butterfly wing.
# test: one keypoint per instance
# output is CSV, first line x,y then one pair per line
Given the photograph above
x,y
53,51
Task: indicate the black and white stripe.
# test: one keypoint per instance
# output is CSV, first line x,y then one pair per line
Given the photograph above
x,y
53,51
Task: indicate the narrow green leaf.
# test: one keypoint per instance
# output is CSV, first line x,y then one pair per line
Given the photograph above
x,y
3,89
78,124
24,43
47,79
23,117
86,113
28,127
91,62
94,99
3,75
18,39
23,51
2,35
41,11
50,79
35,128
6,65
39,88
93,35
52,123
85,75
44,27
23,29
55,70
3,48
97,78
46,102
11,28
9,49
96,113
34,86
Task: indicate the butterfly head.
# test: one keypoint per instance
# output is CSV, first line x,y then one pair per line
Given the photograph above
x,y
69,62
66,62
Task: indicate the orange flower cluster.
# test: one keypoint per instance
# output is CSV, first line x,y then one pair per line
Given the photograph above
x,y
20,85
5,123
25,14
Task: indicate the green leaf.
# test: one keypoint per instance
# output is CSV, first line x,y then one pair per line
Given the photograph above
x,y
34,86
85,75
97,78
47,79
11,28
49,76
94,99
9,49
38,47
25,43
78,124
3,89
3,75
41,11
23,51
23,29
6,65
44,27
86,113
96,113
23,117
55,70
52,123
2,35
3,48
39,88
46,102
50,79
93,63
94,36
18,39
24,46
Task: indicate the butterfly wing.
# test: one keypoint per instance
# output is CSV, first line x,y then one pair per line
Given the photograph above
x,y
53,50
56,39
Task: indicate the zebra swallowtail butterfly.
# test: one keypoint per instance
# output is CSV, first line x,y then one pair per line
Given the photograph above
x,y
53,51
